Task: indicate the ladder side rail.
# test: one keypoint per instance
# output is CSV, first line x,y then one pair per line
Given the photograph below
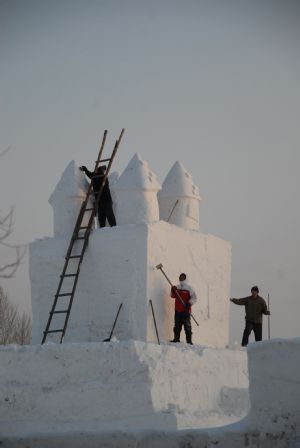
x,y
101,150
70,306
56,296
76,230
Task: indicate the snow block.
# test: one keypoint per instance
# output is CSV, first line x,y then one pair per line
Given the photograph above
x,y
117,385
274,370
119,267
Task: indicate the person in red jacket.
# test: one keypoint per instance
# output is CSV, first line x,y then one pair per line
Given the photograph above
x,y
183,310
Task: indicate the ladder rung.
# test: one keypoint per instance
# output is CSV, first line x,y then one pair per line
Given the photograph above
x,y
58,312
54,331
68,275
80,238
64,294
103,160
83,228
88,209
74,256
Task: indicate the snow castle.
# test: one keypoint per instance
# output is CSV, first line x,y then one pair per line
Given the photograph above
x,y
119,266
132,391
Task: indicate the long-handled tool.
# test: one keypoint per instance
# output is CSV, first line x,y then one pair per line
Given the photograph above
x,y
269,329
172,210
160,267
112,330
151,304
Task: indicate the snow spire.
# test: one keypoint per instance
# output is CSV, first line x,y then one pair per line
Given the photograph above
x,y
67,198
179,199
136,194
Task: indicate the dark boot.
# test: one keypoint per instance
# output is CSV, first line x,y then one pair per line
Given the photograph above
x,y
176,335
189,338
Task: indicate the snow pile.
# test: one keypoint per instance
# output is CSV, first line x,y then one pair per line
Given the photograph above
x,y
119,385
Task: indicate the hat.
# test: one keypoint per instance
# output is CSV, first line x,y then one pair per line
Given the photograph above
x,y
101,169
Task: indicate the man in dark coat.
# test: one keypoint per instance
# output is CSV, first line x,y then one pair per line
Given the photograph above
x,y
255,307
105,210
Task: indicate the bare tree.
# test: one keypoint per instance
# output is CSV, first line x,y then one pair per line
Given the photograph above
x,y
14,328
6,228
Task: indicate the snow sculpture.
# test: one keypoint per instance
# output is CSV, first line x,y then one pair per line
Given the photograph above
x,y
136,194
179,199
119,264
67,198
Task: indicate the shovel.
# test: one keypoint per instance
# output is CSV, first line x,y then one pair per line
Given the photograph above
x,y
112,330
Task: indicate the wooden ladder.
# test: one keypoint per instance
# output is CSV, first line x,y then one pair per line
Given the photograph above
x,y
81,232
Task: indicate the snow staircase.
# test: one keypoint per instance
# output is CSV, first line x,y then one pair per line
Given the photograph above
x,y
74,254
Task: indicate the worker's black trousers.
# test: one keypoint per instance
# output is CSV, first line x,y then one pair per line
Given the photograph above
x,y
105,212
182,318
257,328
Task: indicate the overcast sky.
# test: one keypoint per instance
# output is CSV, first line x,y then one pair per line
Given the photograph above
x,y
214,84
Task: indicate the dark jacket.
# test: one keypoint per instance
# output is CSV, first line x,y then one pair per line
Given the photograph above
x,y
96,182
254,308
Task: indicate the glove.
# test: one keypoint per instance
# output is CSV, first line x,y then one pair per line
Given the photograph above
x,y
174,290
187,305
268,313
82,168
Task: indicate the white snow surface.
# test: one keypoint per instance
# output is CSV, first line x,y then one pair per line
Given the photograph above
x,y
275,385
119,385
138,394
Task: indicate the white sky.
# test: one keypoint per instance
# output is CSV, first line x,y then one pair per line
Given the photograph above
x,y
214,84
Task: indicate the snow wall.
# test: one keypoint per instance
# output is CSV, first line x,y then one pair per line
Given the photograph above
x,y
119,267
45,385
119,385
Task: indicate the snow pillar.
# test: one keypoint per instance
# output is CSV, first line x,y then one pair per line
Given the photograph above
x,y
67,198
136,194
179,199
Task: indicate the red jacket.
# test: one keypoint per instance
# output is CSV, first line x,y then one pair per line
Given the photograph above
x,y
185,296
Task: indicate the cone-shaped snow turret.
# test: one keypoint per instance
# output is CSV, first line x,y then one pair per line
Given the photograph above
x,y
179,199
67,198
136,194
